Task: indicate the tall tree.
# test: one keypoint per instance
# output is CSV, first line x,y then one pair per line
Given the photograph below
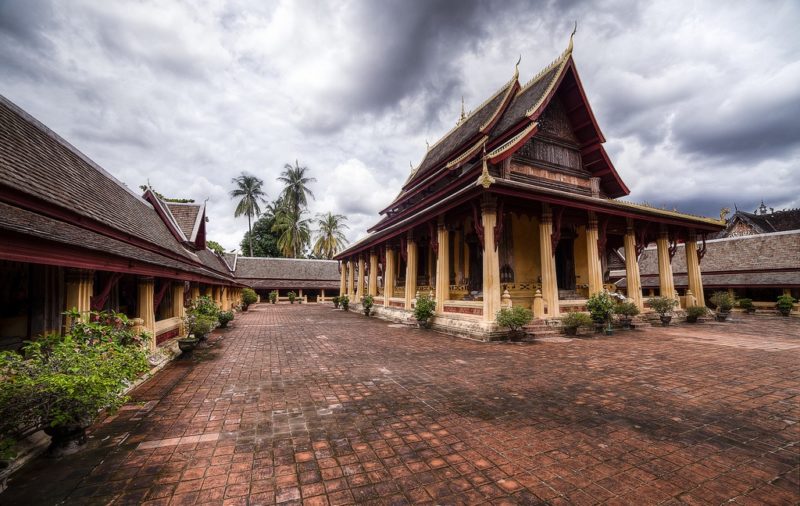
x,y
294,230
295,189
330,235
248,190
215,247
264,238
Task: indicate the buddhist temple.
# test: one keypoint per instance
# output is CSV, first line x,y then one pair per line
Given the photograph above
x,y
518,204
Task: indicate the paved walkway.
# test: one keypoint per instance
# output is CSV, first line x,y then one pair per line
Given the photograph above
x,y
304,403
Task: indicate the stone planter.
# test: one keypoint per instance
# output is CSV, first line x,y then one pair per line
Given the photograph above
x,y
571,331
516,336
721,317
366,311
424,324
784,311
665,319
609,332
187,344
626,323
691,319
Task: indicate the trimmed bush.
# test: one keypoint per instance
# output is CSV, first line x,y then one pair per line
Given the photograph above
x,y
746,304
344,300
601,306
249,297
785,304
224,318
424,308
292,297
273,297
662,305
722,301
366,303
574,320
695,312
514,318
335,300
627,309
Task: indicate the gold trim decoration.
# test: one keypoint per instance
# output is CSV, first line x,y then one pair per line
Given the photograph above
x,y
485,179
457,162
510,143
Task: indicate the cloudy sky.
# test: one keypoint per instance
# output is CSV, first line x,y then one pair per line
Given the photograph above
x,y
700,104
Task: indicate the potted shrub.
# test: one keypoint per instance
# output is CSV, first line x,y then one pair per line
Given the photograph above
x,y
188,343
335,300
366,303
344,300
292,296
60,383
746,305
424,310
723,302
249,297
601,307
199,325
785,304
514,318
273,297
224,317
663,306
626,311
695,312
572,321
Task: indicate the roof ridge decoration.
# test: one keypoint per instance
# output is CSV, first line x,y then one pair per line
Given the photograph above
x,y
466,155
485,179
512,142
471,113
561,60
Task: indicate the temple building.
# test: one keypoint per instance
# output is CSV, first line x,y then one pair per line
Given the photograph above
x,y
72,236
311,280
519,204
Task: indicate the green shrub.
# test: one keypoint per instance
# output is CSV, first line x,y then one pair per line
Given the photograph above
x,y
224,318
746,304
601,306
205,306
695,312
785,304
335,299
344,300
722,301
628,309
367,302
200,325
273,297
58,381
425,308
662,305
576,319
514,318
249,297
292,296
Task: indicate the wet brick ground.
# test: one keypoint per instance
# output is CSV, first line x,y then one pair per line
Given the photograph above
x,y
307,404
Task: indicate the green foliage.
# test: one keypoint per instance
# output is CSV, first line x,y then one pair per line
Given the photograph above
x,y
204,305
64,381
200,325
514,318
695,312
292,296
224,318
104,327
367,302
294,232
662,305
601,306
330,235
249,191
335,299
215,247
746,304
249,296
785,304
424,308
722,301
145,187
273,296
628,309
576,319
265,240
344,300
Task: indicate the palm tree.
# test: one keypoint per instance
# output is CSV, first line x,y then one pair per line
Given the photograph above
x,y
330,235
295,232
249,189
295,187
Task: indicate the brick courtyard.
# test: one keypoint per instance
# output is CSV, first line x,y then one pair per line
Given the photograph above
x,y
307,404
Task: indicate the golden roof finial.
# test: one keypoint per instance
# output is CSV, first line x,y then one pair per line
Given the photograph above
x,y
463,113
571,36
427,145
516,67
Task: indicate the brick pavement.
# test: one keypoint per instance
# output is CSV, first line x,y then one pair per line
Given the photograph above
x,y
306,404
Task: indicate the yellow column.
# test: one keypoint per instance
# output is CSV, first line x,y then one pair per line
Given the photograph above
x,y
360,286
351,281
549,281
457,256
442,267
194,292
79,289
593,256
411,271
388,276
693,269
343,280
632,278
178,311
210,292
465,250
491,262
373,274
665,282
144,305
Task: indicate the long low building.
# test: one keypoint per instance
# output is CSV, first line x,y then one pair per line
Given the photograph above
x,y
312,279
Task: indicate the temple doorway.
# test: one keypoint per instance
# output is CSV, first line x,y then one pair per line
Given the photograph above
x,y
565,263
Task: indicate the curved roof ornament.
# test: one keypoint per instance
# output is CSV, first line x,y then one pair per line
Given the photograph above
x,y
463,113
571,36
516,67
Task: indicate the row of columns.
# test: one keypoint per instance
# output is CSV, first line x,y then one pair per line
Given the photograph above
x,y
549,306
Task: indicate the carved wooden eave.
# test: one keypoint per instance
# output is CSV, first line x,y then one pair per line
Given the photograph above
x,y
510,146
513,87
468,154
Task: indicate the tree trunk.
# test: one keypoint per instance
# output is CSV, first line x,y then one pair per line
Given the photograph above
x,y
250,235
